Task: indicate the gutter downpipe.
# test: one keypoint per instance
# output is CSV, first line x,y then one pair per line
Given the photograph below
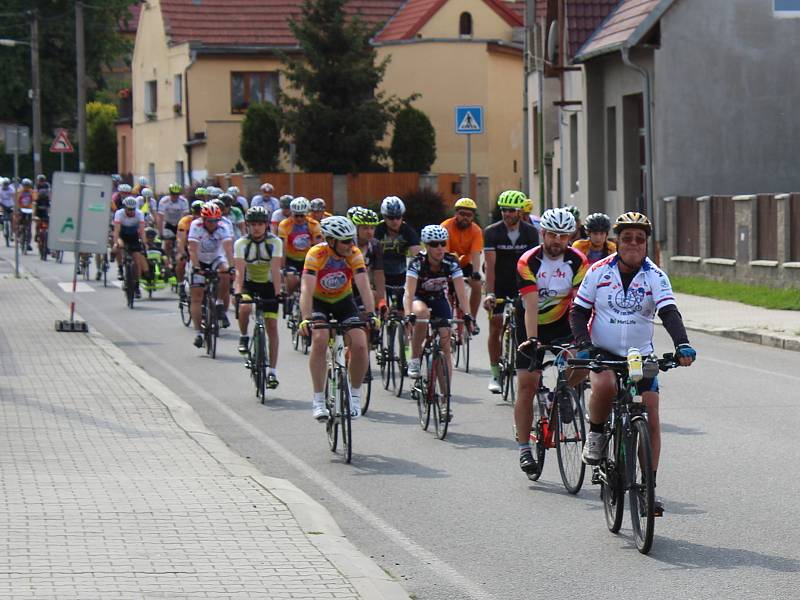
x,y
192,59
526,176
648,130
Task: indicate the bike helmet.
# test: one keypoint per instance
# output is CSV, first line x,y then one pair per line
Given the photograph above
x,y
197,206
286,200
175,188
633,219
143,180
338,228
433,233
211,211
150,233
511,199
257,214
558,220
124,188
201,192
392,206
266,188
467,203
116,178
218,203
233,190
527,206
147,193
317,204
364,216
226,198
214,191
574,210
40,177
26,182
598,222
300,206
130,203
351,211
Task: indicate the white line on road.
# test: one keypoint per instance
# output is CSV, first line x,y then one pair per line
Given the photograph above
x,y
79,286
426,557
748,367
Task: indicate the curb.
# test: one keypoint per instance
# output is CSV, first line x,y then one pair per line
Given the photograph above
x,y
368,579
747,335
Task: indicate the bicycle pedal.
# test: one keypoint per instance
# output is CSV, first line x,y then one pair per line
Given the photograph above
x,y
595,476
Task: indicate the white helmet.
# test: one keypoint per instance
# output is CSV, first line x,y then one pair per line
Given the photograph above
x,y
213,191
130,202
558,220
317,204
4,181
392,206
143,180
124,188
338,228
233,191
147,192
300,206
433,233
266,188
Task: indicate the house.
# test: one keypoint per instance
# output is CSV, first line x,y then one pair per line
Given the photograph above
x,y
198,65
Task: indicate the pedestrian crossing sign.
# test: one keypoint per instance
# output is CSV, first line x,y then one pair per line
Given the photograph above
x,y
469,119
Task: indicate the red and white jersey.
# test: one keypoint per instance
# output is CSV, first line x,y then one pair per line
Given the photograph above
x,y
209,244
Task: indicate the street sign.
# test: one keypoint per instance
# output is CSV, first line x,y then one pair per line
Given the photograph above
x,y
66,218
469,119
61,142
18,139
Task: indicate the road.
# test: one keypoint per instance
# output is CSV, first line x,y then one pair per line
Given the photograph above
x,y
457,519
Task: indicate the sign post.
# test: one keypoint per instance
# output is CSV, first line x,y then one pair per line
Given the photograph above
x,y
61,145
469,121
79,222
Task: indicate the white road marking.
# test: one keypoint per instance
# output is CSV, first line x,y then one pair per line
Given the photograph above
x,y
79,287
749,368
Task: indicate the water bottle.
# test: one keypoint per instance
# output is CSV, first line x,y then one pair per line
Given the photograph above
x,y
635,364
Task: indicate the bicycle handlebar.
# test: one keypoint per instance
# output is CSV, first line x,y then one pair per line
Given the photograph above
x,y
665,363
339,326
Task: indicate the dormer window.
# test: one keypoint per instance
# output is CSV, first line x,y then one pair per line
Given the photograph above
x,y
465,25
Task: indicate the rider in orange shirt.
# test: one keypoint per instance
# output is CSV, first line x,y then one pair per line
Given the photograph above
x,y
466,241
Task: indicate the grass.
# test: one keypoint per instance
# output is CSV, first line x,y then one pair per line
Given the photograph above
x,y
754,295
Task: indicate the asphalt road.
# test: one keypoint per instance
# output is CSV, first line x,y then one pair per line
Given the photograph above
x,y
457,519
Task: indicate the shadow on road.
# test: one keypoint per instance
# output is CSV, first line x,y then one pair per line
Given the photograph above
x,y
371,464
468,441
688,555
387,417
669,428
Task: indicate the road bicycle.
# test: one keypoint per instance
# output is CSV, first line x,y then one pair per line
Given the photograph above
x,y
627,462
41,238
461,337
7,227
558,418
391,355
291,312
104,266
337,387
258,353
209,323
431,389
508,350
185,301
24,229
128,277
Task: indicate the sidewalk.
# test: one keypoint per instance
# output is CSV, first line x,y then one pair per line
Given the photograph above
x,y
111,487
776,328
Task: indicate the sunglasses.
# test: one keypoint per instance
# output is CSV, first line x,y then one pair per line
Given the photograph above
x,y
435,244
211,220
392,218
508,210
465,214
633,240
348,241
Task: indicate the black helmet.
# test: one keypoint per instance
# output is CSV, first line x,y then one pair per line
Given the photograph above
x,y
150,233
598,222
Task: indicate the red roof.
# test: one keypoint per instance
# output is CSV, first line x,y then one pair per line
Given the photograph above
x,y
131,24
584,16
251,22
413,15
620,25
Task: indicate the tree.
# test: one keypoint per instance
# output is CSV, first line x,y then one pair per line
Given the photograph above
x,y
338,118
414,142
57,56
261,137
101,138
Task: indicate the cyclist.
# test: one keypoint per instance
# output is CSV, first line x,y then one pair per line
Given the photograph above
x,y
298,234
528,215
547,277
201,193
598,225
210,248
127,235
621,294
258,268
182,252
281,213
123,191
465,240
157,260
233,214
329,271
26,198
266,199
428,277
171,209
504,243
398,240
365,221
318,211
580,230
240,200
141,183
7,198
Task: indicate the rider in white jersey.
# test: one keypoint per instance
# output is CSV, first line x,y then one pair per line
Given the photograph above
x,y
171,208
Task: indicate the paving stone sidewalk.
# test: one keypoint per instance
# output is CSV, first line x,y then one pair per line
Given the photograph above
x,y
105,492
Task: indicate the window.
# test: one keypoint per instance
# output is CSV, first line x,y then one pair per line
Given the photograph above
x,y
573,153
465,24
611,147
177,94
786,8
179,171
247,88
150,99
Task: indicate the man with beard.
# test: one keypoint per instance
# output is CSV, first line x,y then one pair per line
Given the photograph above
x,y
548,277
465,240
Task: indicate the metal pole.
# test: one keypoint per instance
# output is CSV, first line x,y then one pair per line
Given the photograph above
x,y
291,168
62,162
37,106
16,211
467,185
16,154
526,114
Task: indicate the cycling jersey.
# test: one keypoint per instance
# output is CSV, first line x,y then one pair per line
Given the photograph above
x,y
278,215
242,202
507,252
128,224
210,244
433,284
236,216
624,318
585,246
7,197
298,238
258,256
185,222
25,199
555,281
334,273
463,242
395,250
270,203
173,210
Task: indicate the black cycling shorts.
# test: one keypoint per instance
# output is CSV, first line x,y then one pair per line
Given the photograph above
x,y
649,384
265,291
556,333
132,243
394,297
341,311
297,265
438,305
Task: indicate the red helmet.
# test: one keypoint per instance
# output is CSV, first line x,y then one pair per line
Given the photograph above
x,y
211,211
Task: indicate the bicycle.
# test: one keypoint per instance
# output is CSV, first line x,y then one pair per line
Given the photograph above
x,y
627,436
84,261
551,429
41,238
209,323
508,351
291,312
257,353
391,357
7,228
24,229
185,302
461,337
104,266
337,387
431,389
128,278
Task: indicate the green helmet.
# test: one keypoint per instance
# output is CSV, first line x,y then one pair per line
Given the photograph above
x,y
574,210
201,192
365,216
512,199
175,188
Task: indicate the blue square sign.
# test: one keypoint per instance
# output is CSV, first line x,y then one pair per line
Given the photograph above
x,y
469,119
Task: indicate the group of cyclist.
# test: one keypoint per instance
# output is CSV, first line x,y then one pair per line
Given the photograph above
x,y
23,204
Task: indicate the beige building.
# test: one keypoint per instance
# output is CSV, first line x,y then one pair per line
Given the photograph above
x,y
193,79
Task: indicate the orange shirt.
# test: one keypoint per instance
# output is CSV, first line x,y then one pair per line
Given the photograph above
x,y
463,242
334,273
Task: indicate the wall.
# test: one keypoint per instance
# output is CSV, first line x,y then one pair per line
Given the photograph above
x,y
727,70
486,23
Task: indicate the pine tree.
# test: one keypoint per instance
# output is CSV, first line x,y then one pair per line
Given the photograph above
x,y
414,142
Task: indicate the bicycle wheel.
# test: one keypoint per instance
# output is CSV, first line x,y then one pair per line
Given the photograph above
x,y
440,397
332,424
388,358
366,397
641,494
612,491
538,434
402,365
465,343
184,307
130,286
570,438
105,271
508,368
423,405
347,423
259,365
